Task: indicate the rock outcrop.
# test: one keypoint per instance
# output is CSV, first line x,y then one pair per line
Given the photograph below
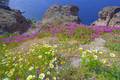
x,y
12,21
4,2
109,16
58,14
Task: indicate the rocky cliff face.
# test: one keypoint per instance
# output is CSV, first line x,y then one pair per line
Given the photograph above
x,y
12,21
4,2
109,16
59,14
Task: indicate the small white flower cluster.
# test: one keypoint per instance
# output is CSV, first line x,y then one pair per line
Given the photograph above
x,y
95,54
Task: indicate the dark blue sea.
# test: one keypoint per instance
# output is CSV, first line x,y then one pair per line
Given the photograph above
x,y
35,9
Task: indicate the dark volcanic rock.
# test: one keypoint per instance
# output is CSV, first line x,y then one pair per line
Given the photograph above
x,y
12,21
58,14
109,16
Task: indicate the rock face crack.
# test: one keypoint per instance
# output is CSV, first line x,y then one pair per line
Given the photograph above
x,y
109,16
115,11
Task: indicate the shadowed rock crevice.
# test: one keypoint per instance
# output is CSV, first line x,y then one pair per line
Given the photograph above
x,y
114,12
109,16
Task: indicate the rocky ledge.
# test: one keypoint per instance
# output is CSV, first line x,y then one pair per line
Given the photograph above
x,y
109,16
58,14
12,21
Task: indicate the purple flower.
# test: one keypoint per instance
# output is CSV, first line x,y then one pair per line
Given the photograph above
x,y
37,72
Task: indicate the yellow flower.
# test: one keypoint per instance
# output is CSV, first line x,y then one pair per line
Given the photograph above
x,y
88,51
48,73
42,75
31,68
11,72
100,52
94,51
30,77
6,72
53,51
51,65
15,64
52,54
53,60
55,46
81,49
32,50
48,53
47,79
62,62
4,45
6,79
40,56
54,78
112,55
33,76
95,57
104,61
20,59
47,45
83,54
21,66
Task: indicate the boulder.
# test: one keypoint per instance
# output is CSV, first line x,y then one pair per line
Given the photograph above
x,y
109,16
12,21
58,14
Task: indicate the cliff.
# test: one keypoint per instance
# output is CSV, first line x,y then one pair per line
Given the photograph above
x,y
58,14
109,16
12,21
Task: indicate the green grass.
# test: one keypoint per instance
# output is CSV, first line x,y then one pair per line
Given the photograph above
x,y
113,41
6,35
102,67
43,34
113,46
83,73
81,34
